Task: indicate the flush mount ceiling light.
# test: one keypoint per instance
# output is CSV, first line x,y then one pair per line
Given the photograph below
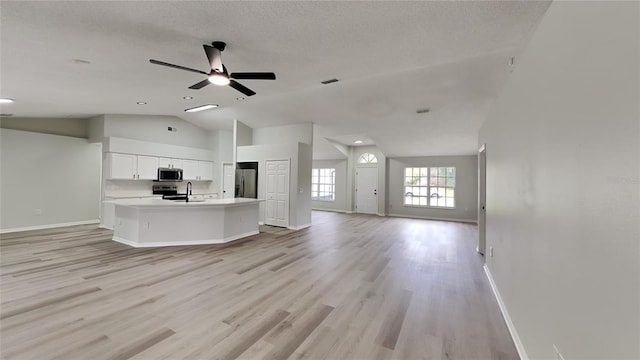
x,y
219,79
5,100
358,142
202,107
141,103
188,97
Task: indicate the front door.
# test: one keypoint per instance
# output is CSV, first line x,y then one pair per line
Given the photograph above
x,y
277,199
367,190
228,181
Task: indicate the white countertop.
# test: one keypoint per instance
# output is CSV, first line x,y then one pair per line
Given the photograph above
x,y
154,202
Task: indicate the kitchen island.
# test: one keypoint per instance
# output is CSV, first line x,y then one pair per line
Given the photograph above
x,y
158,222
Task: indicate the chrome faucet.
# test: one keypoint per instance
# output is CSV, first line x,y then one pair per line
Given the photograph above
x,y
189,190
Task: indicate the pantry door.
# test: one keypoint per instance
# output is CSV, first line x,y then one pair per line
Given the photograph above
x,y
277,194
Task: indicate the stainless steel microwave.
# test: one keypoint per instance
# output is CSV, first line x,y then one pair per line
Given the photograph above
x,y
168,174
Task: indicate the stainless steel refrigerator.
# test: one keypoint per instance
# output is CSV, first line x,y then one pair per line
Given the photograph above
x,y
247,180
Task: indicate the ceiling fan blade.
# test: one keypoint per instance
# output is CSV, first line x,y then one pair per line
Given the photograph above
x,y
253,75
176,66
200,85
243,89
214,56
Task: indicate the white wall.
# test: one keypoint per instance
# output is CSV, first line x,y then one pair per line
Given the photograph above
x,y
303,201
466,187
340,200
153,128
57,174
55,126
563,194
289,133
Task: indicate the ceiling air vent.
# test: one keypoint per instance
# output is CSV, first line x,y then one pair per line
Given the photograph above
x,y
329,81
423,111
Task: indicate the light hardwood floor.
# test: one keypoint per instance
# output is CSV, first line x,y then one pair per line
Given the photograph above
x,y
349,287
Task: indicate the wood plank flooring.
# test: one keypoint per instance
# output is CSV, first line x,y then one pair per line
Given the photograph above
x,y
349,287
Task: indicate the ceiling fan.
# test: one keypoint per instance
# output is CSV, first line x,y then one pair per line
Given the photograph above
x,y
218,74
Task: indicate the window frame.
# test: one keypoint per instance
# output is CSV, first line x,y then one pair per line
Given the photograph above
x,y
316,179
429,171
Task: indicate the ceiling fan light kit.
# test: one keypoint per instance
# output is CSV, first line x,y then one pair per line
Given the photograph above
x,y
218,73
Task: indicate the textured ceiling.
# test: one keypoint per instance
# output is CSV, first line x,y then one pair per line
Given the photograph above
x,y
391,58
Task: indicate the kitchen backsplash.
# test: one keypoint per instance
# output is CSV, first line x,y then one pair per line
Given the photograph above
x,y
129,188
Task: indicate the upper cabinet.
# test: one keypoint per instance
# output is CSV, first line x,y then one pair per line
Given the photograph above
x,y
147,168
131,167
206,170
197,170
142,167
122,166
170,163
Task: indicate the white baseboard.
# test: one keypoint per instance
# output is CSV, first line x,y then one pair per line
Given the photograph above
x,y
260,222
299,227
505,315
49,226
183,243
434,218
332,210
383,215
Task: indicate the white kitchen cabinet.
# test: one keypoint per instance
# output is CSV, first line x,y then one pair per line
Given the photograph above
x,y
147,168
131,167
205,170
197,170
122,166
170,163
190,170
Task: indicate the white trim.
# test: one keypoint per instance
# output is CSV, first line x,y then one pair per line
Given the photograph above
x,y
181,243
299,227
505,315
434,218
379,214
260,222
331,210
49,226
482,148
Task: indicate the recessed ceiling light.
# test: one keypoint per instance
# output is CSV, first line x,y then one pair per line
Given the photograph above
x,y
202,107
188,97
141,103
358,142
5,100
240,98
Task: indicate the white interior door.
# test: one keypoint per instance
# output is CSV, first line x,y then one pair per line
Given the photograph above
x,y
482,199
277,194
367,190
228,181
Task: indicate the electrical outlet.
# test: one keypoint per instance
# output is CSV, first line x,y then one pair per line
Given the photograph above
x,y
38,212
491,251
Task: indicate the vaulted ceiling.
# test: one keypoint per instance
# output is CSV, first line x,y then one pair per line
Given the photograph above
x,y
391,59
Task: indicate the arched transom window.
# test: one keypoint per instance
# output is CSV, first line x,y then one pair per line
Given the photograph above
x,y
367,158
